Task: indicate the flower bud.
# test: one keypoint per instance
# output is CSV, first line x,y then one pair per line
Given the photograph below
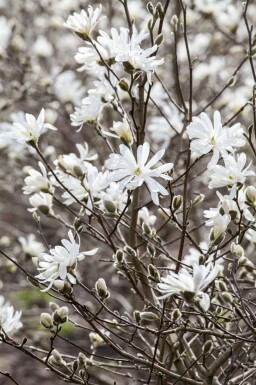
x,y
60,316
123,84
53,306
207,347
175,22
159,40
151,249
231,81
153,273
222,286
129,250
198,199
119,257
177,202
63,286
175,315
242,261
251,195
150,8
82,361
101,289
56,358
237,250
148,316
160,10
46,320
146,229
227,297
137,317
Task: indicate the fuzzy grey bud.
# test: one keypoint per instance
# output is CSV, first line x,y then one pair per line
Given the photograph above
x,y
101,289
208,346
46,320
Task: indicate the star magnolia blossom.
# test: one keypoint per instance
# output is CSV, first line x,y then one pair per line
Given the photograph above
x,y
30,246
220,224
84,22
190,286
42,202
133,173
231,174
9,319
61,262
30,130
37,181
206,137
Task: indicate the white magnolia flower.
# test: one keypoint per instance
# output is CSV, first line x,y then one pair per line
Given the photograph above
x,y
68,88
228,205
128,50
61,262
206,137
145,216
133,173
220,224
232,173
190,286
194,256
89,189
73,164
9,319
84,22
30,130
42,202
88,112
37,181
123,132
30,246
113,199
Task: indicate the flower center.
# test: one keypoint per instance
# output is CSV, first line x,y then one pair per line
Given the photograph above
x,y
212,141
137,171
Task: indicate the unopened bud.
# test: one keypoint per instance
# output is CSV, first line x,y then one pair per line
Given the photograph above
x,y
223,286
227,297
46,320
198,199
175,22
159,40
150,8
207,347
148,316
129,250
177,202
123,84
60,316
101,289
119,256
151,249
237,250
175,315
251,195
53,306
63,286
137,317
242,261
82,361
146,229
160,10
128,67
154,274
232,81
